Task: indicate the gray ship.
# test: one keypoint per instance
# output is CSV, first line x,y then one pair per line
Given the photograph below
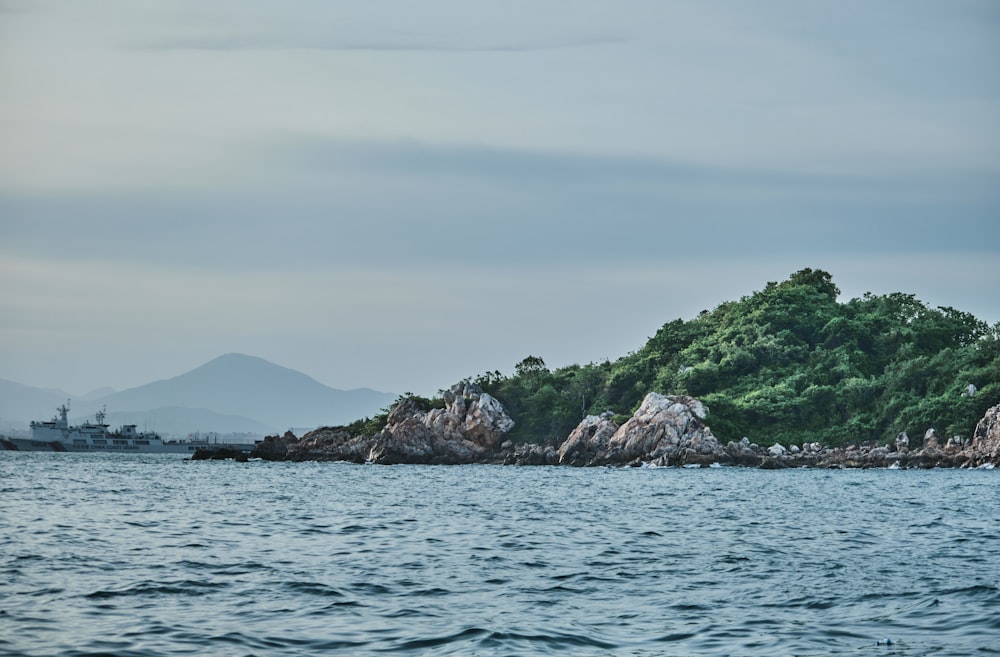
x,y
56,435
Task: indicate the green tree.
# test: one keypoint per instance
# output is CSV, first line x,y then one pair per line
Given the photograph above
x,y
791,363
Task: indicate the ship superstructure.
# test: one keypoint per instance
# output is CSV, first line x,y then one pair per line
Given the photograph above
x,y
56,435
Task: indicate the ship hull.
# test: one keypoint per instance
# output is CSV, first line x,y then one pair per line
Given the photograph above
x,y
29,445
56,435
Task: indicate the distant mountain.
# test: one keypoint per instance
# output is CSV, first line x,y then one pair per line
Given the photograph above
x,y
97,394
19,404
233,393
253,388
178,421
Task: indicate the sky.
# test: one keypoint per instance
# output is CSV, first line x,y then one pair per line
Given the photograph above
x,y
399,195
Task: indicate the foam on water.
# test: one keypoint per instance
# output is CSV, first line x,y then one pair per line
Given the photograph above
x,y
151,555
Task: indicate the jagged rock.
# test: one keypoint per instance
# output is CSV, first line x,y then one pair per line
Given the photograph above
x,y
874,457
273,448
588,440
742,454
218,454
831,458
331,444
692,457
663,431
931,439
532,454
902,442
467,430
776,450
985,447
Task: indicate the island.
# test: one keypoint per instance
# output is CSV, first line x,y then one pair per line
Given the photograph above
x,y
787,376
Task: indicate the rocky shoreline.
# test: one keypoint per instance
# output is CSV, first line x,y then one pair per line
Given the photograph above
x,y
664,431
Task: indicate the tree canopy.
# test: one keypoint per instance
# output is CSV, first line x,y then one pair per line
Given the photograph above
x,y
789,363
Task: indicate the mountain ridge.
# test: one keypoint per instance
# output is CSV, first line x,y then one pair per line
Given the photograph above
x,y
250,390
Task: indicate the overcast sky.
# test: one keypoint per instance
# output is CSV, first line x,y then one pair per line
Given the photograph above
x,y
397,194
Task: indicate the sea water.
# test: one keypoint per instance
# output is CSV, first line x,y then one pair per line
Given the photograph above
x,y
143,555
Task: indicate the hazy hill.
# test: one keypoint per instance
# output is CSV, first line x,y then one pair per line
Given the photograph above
x,y
233,393
19,404
179,421
253,388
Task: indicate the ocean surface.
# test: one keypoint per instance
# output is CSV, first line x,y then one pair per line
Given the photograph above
x,y
132,555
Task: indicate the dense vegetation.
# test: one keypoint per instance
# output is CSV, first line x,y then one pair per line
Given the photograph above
x,y
789,364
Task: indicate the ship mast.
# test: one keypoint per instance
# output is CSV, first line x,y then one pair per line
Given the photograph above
x,y
63,413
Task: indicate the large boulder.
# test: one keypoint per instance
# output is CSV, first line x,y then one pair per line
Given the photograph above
x,y
467,430
665,430
532,454
588,440
273,448
902,442
744,452
985,446
331,444
222,453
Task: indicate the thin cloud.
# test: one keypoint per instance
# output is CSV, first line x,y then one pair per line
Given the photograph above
x,y
545,167
400,44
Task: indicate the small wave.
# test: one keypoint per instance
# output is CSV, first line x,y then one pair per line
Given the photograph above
x,y
53,590
976,590
142,523
731,558
433,592
103,652
274,643
545,642
433,642
367,588
676,636
408,612
186,587
314,588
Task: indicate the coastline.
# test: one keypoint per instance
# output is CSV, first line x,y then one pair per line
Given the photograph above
x,y
668,431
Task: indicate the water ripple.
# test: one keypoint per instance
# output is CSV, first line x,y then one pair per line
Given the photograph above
x,y
491,561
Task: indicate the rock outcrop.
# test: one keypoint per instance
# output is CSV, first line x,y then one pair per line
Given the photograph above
x,y
274,448
530,454
902,442
985,447
331,444
467,430
589,440
219,454
665,430
983,450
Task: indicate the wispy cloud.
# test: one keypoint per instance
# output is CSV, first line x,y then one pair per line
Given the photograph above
x,y
364,169
400,43
413,158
